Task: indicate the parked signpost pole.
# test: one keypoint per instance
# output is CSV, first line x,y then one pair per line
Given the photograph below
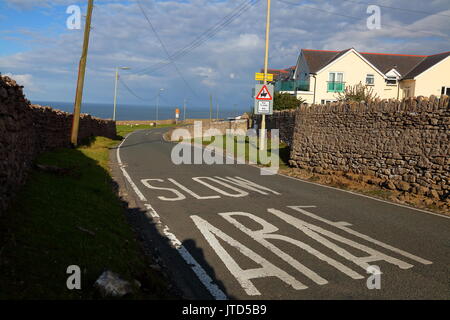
x,y
266,62
81,73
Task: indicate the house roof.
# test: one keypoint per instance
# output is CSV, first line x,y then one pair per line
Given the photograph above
x,y
317,59
408,66
426,63
280,74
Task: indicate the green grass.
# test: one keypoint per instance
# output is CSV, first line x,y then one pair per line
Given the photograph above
x,y
123,130
243,151
41,232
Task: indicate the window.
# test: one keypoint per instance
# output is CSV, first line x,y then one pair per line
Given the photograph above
x,y
323,101
370,79
391,81
446,91
336,82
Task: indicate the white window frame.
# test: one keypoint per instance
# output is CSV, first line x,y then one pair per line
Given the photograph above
x,y
373,79
335,75
445,90
390,79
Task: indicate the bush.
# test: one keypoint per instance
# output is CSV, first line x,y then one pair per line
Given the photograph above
x,y
357,93
284,101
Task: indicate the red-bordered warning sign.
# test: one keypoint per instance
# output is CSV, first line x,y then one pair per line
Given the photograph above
x,y
263,94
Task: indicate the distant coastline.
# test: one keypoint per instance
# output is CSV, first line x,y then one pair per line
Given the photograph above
x,y
127,112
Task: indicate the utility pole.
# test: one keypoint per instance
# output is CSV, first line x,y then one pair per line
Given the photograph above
x,y
115,89
157,104
81,73
217,112
210,108
266,62
184,110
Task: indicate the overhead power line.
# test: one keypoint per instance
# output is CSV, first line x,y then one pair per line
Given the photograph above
x,y
165,49
131,91
203,37
359,18
395,8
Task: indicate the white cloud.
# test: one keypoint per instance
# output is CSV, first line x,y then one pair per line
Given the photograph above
x,y
25,80
122,37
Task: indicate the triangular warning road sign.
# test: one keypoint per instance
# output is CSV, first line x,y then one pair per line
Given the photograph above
x,y
264,94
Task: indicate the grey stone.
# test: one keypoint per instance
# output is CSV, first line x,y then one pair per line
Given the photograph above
x,y
109,284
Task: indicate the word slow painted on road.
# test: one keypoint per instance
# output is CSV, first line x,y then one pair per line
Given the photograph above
x,y
319,234
234,187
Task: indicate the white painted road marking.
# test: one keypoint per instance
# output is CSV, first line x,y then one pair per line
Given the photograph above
x,y
343,226
237,184
201,274
267,269
268,232
317,233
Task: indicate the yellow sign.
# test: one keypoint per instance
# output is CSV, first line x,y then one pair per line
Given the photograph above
x,y
260,77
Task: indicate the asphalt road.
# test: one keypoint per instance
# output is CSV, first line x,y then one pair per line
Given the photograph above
x,y
273,237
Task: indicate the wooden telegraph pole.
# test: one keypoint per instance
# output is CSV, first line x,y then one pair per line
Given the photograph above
x,y
81,73
266,62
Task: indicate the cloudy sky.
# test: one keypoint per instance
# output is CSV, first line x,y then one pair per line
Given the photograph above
x,y
216,45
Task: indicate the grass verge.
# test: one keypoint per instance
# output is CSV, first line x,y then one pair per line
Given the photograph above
x,y
123,130
71,218
243,146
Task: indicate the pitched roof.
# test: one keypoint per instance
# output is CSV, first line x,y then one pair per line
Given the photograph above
x,y
317,59
280,74
408,66
427,63
400,62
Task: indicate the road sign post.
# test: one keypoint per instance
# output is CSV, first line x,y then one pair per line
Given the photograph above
x,y
264,99
266,63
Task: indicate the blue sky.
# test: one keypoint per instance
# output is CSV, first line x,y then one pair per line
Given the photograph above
x,y
39,51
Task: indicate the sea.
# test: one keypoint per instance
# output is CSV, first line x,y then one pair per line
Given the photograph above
x,y
140,112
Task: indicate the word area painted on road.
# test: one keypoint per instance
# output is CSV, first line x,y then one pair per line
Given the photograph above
x,y
267,232
233,187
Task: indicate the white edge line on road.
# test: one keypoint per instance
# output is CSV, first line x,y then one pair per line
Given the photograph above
x,y
229,155
201,274
125,173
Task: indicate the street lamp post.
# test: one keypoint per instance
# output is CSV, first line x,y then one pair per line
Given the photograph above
x,y
115,89
157,102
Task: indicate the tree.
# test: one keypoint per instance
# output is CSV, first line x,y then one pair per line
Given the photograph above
x,y
284,101
357,93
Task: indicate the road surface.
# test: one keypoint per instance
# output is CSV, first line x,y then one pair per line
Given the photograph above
x,y
228,232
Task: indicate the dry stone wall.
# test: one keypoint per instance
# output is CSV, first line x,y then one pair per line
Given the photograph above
x,y
27,130
284,121
405,143
206,129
